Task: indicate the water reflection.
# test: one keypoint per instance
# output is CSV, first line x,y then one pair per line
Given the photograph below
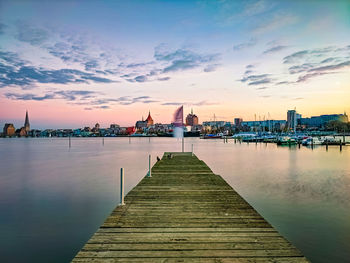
x,y
54,198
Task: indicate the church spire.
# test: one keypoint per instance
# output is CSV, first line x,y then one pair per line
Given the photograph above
x,y
26,122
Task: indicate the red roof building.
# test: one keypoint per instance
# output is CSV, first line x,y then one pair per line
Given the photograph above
x,y
149,119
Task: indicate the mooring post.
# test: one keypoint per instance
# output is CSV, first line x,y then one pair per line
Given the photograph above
x,y
192,149
149,166
122,186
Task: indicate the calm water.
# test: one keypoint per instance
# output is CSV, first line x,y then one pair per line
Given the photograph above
x,y
52,198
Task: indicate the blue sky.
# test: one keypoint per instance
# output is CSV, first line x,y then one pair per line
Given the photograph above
x,y
74,63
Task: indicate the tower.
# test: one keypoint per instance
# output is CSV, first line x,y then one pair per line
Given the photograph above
x,y
149,119
26,123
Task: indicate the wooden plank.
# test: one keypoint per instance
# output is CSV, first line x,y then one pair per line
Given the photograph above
x,y
186,213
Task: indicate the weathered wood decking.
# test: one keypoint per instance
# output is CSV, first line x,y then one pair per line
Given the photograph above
x,y
186,213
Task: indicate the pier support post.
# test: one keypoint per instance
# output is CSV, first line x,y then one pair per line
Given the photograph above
x,y
340,146
149,166
122,186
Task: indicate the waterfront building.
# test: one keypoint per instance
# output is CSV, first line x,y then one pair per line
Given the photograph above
x,y
9,130
144,124
322,120
261,126
191,119
149,119
141,125
215,124
292,117
238,122
22,132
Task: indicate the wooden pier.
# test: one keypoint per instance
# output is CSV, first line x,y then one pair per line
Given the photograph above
x,y
186,213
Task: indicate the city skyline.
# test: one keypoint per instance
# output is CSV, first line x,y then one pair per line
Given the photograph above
x,y
76,63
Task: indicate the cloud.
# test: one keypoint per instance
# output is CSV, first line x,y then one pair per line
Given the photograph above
x,y
81,97
172,103
254,77
252,42
28,96
262,88
33,35
211,68
275,49
164,79
308,76
283,82
295,57
182,58
275,22
200,103
254,80
259,82
338,66
300,68
17,72
69,95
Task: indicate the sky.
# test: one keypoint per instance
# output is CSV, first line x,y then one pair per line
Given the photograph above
x,y
74,63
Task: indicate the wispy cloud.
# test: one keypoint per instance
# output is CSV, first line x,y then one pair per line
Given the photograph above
x,y
252,42
272,23
183,58
90,99
275,49
200,103
17,72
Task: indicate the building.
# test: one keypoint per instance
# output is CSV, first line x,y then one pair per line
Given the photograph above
x,y
266,125
238,122
22,132
322,120
292,120
149,119
26,124
191,119
9,130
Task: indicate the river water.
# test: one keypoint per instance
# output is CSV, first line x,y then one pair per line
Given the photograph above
x,y
53,198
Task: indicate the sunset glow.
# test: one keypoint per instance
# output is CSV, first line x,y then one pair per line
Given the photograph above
x,y
72,64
